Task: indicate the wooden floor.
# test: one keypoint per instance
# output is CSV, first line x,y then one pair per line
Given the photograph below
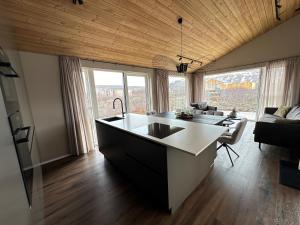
x,y
89,191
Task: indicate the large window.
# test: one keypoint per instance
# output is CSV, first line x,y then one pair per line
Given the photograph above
x,y
238,89
105,86
177,95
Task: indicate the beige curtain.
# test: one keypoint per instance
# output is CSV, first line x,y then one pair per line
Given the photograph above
x,y
279,84
271,86
161,90
78,127
198,87
153,89
291,92
189,88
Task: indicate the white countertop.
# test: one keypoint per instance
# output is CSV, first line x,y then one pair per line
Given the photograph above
x,y
193,139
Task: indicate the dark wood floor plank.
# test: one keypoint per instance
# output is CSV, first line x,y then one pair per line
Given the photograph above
x,y
89,191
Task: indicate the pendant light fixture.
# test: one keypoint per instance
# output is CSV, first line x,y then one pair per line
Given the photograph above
x,y
181,67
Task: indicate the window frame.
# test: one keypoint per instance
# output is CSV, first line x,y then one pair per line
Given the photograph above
x,y
91,82
260,67
147,88
185,87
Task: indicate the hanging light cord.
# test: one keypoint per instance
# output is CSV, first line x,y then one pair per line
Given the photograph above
x,y
181,39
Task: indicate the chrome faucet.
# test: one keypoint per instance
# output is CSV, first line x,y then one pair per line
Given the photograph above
x,y
123,113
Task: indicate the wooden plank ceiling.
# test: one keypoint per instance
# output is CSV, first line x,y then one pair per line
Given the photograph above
x,y
140,32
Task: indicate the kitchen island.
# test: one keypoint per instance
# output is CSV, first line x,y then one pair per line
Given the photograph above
x,y
166,158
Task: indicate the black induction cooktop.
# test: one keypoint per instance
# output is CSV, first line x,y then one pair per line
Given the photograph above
x,y
159,130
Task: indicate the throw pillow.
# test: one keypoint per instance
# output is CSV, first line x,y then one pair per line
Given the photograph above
x,y
282,111
294,114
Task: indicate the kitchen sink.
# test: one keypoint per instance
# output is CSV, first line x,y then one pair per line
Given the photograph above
x,y
114,118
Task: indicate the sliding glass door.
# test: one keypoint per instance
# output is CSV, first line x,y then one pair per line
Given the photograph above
x,y
105,86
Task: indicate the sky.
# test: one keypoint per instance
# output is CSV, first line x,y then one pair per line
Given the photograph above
x,y
116,78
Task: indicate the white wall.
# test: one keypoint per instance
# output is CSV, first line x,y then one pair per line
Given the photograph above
x,y
42,79
280,42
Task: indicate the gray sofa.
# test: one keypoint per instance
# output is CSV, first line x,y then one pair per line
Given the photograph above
x,y
275,130
203,106
203,109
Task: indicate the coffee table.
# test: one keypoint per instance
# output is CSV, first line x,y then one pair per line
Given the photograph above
x,y
227,123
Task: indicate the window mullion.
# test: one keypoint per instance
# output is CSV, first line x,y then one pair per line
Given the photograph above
x,y
147,93
125,90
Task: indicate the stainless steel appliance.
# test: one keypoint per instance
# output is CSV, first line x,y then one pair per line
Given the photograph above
x,y
22,134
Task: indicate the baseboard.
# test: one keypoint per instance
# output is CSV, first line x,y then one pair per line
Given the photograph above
x,y
55,159
48,162
56,163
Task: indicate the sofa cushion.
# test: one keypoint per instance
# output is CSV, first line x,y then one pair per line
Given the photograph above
x,y
287,121
294,114
269,118
202,105
213,108
282,111
199,105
